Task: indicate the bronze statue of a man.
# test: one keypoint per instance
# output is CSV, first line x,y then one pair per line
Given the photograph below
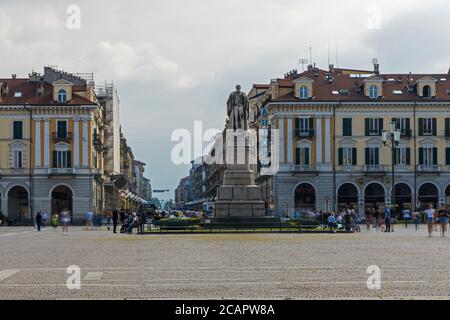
x,y
237,109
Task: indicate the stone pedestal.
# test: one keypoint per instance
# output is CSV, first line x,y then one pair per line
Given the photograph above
x,y
239,196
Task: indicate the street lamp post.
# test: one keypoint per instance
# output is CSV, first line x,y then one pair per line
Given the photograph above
x,y
393,143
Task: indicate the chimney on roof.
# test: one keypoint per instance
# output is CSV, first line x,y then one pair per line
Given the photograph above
x,y
448,70
376,66
310,67
5,89
331,68
40,88
14,76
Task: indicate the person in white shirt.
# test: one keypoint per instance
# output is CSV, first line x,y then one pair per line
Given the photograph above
x,y
429,216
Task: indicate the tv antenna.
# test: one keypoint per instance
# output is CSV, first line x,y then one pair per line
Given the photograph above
x,y
303,62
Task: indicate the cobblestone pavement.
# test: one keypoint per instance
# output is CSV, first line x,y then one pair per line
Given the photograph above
x,y
230,266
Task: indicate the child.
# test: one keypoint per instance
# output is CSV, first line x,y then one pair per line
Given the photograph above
x,y
54,221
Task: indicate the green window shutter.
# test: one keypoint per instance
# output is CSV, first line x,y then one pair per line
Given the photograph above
x,y
377,156
407,124
435,156
354,155
447,127
434,122
55,160
69,159
340,156
420,155
447,155
408,156
307,156
311,124
367,153
297,155
366,121
420,126
380,126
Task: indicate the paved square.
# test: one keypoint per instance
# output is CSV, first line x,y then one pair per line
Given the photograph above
x,y
232,266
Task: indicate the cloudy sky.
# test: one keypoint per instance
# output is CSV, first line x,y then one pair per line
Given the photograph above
x,y
174,62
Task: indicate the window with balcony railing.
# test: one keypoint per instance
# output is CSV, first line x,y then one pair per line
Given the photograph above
x,y
373,126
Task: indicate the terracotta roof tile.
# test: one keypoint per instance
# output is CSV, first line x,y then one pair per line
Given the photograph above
x,y
28,90
322,89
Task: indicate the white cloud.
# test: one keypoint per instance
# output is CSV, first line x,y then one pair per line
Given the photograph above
x,y
141,63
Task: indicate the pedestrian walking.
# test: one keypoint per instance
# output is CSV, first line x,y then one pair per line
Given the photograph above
x,y
44,219
65,220
416,218
88,220
38,221
388,219
115,218
443,220
375,219
108,220
368,218
54,221
429,216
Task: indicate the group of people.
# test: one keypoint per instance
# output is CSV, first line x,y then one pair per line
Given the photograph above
x,y
346,219
127,220
63,219
382,219
436,217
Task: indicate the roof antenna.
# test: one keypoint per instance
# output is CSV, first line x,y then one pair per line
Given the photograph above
x,y
337,63
328,52
303,62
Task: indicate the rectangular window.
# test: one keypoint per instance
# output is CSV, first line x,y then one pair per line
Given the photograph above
x,y
302,156
18,130
347,156
402,156
304,126
62,159
428,156
62,129
373,126
18,159
347,126
427,126
372,156
403,124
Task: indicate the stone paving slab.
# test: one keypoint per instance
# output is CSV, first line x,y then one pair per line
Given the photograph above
x,y
223,266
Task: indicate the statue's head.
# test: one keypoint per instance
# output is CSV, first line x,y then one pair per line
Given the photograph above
x,y
238,88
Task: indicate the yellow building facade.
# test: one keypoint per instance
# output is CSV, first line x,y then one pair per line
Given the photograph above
x,y
329,127
51,146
